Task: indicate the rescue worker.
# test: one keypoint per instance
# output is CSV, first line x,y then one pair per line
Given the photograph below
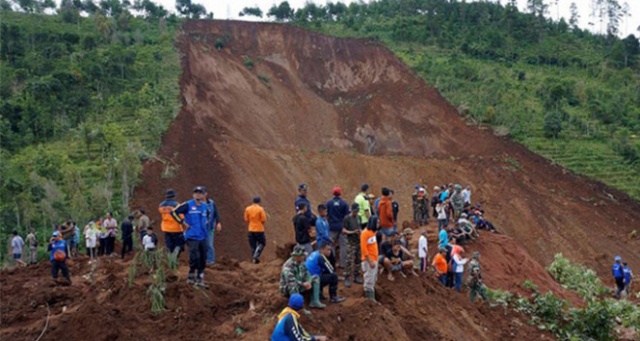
x,y
475,279
618,275
351,230
295,278
255,216
58,248
288,328
193,215
318,264
173,234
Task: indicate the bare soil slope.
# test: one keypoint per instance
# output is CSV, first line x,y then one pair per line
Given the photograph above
x,y
279,105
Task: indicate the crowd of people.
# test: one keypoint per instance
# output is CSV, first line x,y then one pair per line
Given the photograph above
x,y
362,238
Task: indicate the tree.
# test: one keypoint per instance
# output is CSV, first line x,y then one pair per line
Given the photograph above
x,y
614,14
251,11
537,7
575,16
189,9
552,124
282,12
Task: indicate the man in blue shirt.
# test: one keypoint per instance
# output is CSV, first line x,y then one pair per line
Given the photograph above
x,y
628,275
318,264
322,226
213,226
59,254
196,216
288,327
302,199
618,275
337,210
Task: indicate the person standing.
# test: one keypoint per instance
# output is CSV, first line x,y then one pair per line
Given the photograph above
x,y
302,226
435,199
213,225
288,328
17,244
466,195
362,199
337,210
323,236
150,241
127,235
457,202
369,250
173,233
302,199
255,216
32,242
91,238
102,236
76,240
111,225
143,223
628,277
440,264
459,263
351,231
386,213
618,275
443,238
475,279
319,265
196,215
423,251
58,248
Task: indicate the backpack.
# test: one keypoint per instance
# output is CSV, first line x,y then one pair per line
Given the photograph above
x,y
59,256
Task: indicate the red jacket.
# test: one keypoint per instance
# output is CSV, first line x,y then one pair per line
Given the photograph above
x,y
386,212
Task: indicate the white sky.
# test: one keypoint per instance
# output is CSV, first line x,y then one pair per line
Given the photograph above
x,y
229,9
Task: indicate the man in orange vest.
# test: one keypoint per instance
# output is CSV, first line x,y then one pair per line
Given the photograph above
x,y
254,215
173,233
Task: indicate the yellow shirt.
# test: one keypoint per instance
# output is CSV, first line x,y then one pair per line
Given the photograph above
x,y
255,216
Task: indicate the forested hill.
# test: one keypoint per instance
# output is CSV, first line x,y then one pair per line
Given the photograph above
x,y
87,91
564,92
84,100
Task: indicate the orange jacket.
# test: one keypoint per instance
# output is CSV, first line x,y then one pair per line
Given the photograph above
x,y
386,212
255,216
168,223
369,245
440,263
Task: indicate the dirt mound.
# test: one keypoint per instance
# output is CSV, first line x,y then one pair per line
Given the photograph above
x,y
279,105
241,303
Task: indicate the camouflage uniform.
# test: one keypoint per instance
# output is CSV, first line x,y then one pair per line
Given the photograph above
x,y
421,210
475,281
353,247
292,276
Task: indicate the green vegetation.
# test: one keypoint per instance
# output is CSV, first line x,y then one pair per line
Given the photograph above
x,y
595,321
156,263
564,92
84,100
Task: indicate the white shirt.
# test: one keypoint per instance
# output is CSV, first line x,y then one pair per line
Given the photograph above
x,y
422,247
90,236
148,243
459,263
442,213
466,195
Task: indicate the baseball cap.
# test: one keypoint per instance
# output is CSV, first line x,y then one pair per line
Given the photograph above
x,y
336,191
256,199
408,230
55,234
170,193
296,301
200,189
617,258
302,187
355,207
298,250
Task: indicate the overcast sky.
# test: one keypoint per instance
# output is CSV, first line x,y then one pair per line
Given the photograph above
x,y
229,9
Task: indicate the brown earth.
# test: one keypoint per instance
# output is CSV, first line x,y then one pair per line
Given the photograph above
x,y
327,111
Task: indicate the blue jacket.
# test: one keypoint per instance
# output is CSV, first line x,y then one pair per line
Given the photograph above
x,y
289,329
337,209
376,203
57,245
196,216
627,274
214,215
318,264
617,270
303,200
444,195
443,237
322,231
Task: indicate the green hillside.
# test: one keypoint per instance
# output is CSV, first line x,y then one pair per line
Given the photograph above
x,y
84,101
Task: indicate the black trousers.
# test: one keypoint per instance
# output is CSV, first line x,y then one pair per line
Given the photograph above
x,y
103,246
450,276
197,255
127,246
57,267
111,243
332,281
173,240
256,239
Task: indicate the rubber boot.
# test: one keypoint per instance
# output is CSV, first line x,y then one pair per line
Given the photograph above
x,y
347,282
315,297
371,294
